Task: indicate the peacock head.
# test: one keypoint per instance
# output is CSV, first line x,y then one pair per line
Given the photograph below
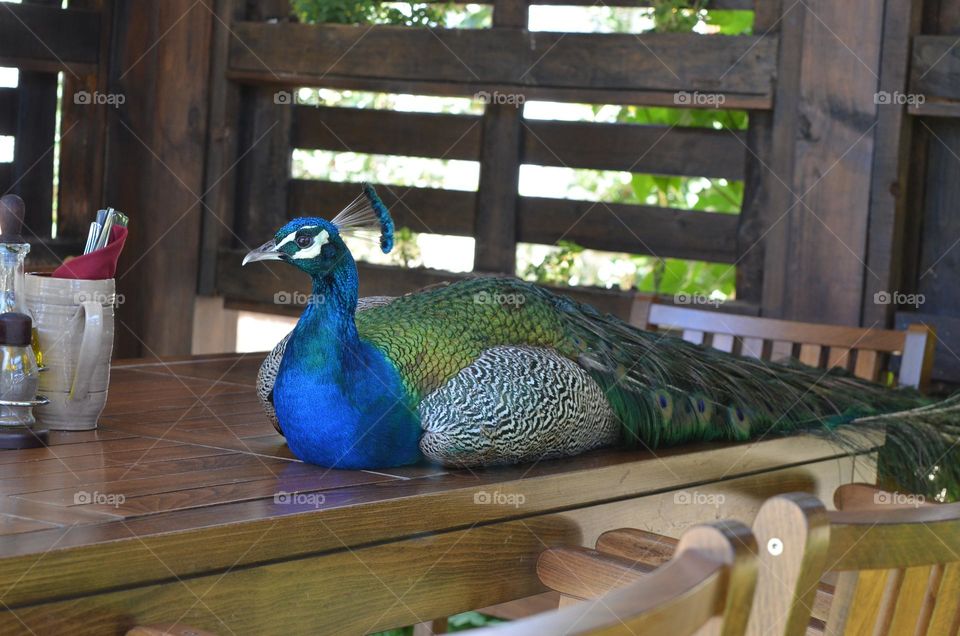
x,y
316,245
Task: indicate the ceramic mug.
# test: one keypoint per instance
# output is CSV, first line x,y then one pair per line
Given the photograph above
x,y
74,322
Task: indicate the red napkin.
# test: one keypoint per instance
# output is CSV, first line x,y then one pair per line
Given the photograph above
x,y
97,265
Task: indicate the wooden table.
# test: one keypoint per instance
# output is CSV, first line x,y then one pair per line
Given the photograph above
x,y
176,510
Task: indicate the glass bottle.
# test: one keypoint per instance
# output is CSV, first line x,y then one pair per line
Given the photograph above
x,y
12,285
13,253
19,374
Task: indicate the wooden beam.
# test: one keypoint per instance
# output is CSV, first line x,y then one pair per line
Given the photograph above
x,y
635,229
421,209
757,178
495,224
34,148
935,68
655,149
773,196
585,95
315,55
259,286
8,111
6,176
155,169
387,132
83,130
220,174
888,182
264,170
48,38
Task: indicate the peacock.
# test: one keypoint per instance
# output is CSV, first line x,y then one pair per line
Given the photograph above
x,y
495,370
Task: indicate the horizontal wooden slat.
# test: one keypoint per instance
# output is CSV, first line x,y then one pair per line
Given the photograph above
x,y
657,149
935,71
635,229
935,108
8,110
781,331
387,132
45,38
428,210
258,285
666,62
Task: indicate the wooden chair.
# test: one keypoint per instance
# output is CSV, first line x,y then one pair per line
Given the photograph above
x,y
860,350
708,583
879,566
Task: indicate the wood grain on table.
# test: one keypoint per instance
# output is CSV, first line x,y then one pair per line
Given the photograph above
x,y
184,492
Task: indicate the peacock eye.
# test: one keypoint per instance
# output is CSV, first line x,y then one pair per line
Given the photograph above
x,y
304,241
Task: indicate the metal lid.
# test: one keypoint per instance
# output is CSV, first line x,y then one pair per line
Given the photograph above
x,y
15,329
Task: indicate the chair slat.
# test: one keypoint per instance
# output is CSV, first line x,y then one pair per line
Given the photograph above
x,y
945,619
916,599
693,335
780,350
839,357
916,361
723,342
752,347
810,354
864,601
868,364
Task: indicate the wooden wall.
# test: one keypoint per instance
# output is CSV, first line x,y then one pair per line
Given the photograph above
x,y
932,232
270,57
42,40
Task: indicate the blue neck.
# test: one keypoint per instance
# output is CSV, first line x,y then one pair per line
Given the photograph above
x,y
340,401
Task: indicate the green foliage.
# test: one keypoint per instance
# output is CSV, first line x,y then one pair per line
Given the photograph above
x,y
672,275
557,267
368,12
405,246
676,15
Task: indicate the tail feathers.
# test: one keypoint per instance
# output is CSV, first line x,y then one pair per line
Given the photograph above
x,y
921,450
667,391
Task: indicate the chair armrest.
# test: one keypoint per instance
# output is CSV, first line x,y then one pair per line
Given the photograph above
x,y
863,497
584,573
638,546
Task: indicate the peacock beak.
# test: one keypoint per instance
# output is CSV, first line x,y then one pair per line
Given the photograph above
x,y
266,252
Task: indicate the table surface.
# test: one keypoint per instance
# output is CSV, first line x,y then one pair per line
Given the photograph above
x,y
185,476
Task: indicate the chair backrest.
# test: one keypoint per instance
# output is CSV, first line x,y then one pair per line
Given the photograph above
x,y
862,351
706,587
897,570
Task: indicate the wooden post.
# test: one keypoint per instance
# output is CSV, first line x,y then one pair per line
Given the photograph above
x,y
758,179
34,149
821,277
83,128
220,181
891,165
496,219
155,168
776,174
